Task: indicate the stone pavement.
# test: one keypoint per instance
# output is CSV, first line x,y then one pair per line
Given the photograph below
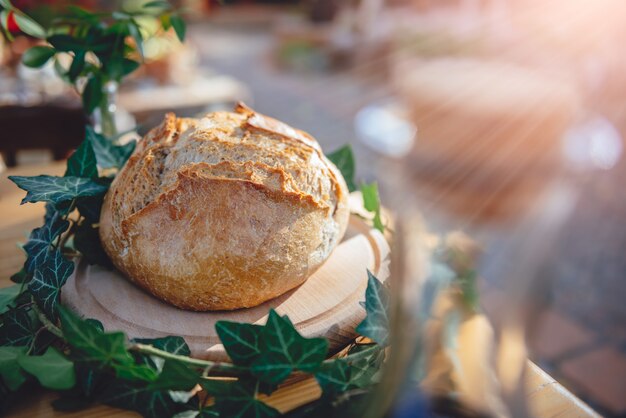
x,y
581,338
583,344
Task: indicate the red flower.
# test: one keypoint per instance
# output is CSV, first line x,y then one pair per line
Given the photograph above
x,y
11,23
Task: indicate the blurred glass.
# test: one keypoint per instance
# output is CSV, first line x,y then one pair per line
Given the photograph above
x,y
480,149
442,347
495,127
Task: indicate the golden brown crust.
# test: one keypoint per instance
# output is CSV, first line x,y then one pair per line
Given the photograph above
x,y
218,213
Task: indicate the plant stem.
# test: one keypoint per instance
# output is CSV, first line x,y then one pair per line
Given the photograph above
x,y
46,322
67,236
61,239
227,369
217,367
107,119
108,107
356,356
31,346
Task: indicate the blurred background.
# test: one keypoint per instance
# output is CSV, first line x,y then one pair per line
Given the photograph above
x,y
501,118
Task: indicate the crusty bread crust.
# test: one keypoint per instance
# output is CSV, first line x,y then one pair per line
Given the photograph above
x,y
223,212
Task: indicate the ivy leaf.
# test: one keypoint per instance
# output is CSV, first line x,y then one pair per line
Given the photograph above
x,y
97,324
18,328
37,56
56,189
132,371
343,158
29,26
38,246
107,153
91,343
21,276
48,280
240,401
179,27
90,208
216,387
341,374
364,372
104,348
82,162
90,380
137,397
87,241
241,341
52,369
272,351
51,210
171,344
10,370
371,202
8,295
376,323
22,328
42,340
284,349
334,377
92,93
175,375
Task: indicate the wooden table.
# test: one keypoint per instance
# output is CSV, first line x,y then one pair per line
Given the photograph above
x,y
547,398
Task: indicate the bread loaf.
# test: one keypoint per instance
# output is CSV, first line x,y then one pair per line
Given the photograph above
x,y
223,212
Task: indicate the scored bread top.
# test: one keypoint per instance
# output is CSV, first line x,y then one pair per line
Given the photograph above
x,y
243,145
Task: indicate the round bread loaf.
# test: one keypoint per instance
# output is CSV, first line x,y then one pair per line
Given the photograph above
x,y
223,212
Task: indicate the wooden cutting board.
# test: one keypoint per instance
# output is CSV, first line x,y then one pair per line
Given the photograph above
x,y
327,304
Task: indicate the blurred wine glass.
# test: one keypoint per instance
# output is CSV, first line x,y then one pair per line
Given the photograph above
x,y
497,141
440,347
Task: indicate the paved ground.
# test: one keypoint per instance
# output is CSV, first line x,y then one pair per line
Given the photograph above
x,y
581,338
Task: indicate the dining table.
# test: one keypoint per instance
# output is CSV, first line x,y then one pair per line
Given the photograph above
x,y
546,397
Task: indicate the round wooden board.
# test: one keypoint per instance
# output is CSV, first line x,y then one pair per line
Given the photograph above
x,y
327,304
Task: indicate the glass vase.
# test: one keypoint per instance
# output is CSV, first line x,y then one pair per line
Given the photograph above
x,y
104,115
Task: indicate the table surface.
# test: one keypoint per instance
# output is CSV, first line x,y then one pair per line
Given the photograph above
x,y
547,398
